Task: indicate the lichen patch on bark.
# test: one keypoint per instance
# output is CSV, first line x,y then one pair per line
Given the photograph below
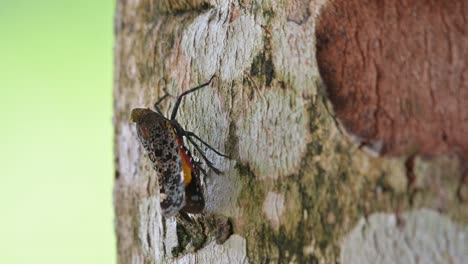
x,y
214,44
232,251
273,208
422,235
293,49
280,139
174,6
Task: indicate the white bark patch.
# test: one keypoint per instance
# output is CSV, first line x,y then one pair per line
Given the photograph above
x,y
129,153
170,241
273,134
425,236
273,207
232,251
294,55
221,192
213,42
150,231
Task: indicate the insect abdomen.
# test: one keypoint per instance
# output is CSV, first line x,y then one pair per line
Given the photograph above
x,y
194,200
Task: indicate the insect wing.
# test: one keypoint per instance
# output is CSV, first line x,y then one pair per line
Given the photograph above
x,y
157,136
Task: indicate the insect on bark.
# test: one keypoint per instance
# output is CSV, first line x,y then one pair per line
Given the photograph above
x,y
180,184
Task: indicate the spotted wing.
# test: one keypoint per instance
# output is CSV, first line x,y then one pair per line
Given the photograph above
x,y
159,140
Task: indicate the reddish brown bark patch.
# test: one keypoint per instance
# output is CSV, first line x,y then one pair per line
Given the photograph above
x,y
397,72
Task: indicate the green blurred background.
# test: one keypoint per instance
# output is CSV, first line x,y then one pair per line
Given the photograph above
x,y
56,160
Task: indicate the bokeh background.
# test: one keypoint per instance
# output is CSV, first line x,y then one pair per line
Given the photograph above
x,y
56,159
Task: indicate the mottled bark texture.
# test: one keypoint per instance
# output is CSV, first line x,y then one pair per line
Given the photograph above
x,y
299,187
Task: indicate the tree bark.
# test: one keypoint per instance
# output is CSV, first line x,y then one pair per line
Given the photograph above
x,y
299,186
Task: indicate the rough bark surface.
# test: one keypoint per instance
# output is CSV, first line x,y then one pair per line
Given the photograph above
x,y
396,72
296,189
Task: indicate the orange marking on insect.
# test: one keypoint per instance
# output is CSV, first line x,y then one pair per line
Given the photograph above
x,y
144,132
187,166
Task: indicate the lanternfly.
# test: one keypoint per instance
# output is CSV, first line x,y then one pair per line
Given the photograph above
x,y
180,185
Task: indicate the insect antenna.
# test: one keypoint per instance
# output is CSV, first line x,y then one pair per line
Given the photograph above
x,y
162,98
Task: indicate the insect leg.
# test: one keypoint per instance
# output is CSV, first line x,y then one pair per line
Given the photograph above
x,y
199,167
191,134
179,98
207,161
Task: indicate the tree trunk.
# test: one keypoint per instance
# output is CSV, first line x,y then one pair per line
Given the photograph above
x,y
331,114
